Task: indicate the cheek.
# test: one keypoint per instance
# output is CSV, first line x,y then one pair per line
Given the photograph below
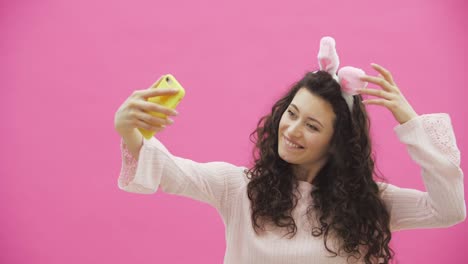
x,y
315,141
282,123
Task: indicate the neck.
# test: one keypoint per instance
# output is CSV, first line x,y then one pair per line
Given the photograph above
x,y
308,173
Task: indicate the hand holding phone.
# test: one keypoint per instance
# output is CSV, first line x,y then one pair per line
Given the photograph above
x,y
170,101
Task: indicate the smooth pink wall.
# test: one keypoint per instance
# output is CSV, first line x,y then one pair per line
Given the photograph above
x,y
66,66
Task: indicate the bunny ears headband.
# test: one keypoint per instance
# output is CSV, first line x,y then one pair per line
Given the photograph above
x,y
348,77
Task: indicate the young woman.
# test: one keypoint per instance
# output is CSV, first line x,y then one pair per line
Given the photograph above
x,y
310,196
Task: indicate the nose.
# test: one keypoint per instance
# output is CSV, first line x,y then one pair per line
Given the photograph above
x,y
294,130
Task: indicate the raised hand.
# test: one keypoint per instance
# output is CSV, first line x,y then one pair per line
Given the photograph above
x,y
135,111
390,96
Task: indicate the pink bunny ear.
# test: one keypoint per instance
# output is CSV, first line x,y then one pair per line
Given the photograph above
x,y
327,56
349,79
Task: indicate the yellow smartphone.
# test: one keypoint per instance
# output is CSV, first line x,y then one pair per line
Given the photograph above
x,y
170,101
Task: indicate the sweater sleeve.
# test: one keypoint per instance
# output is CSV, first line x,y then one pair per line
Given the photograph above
x,y
431,143
211,182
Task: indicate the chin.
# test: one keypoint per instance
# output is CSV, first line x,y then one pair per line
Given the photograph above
x,y
286,158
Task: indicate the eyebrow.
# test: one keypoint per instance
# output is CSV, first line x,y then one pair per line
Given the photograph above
x,y
311,118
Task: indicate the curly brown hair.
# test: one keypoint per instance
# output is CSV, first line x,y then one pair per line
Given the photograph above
x,y
345,196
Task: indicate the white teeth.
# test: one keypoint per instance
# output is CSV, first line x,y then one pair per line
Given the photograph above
x,y
291,144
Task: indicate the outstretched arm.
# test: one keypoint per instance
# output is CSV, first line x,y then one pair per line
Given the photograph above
x,y
211,182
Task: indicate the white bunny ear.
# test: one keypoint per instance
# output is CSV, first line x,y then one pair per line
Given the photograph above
x,y
327,56
349,79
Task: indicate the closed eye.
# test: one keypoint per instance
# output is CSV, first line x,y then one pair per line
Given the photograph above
x,y
313,127
309,125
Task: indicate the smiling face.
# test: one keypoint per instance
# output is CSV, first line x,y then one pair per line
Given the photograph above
x,y
305,131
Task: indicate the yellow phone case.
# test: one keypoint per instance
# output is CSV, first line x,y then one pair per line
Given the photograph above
x,y
170,101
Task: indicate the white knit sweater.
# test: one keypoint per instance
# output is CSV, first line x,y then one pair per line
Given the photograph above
x,y
431,144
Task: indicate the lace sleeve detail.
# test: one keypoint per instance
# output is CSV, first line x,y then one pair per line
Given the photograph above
x,y
440,131
430,141
129,165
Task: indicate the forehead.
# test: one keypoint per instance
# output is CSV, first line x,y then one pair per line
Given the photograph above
x,y
311,105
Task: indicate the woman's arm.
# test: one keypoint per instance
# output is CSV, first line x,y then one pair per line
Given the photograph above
x,y
431,144
133,142
211,182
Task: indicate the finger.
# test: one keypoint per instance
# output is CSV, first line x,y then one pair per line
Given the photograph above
x,y
152,92
146,126
375,92
154,107
379,81
384,73
153,120
381,102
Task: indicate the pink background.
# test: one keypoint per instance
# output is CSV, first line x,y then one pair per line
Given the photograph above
x,y
66,66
